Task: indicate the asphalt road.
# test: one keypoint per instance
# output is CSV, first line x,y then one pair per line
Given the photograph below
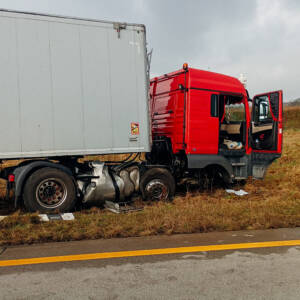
x,y
256,273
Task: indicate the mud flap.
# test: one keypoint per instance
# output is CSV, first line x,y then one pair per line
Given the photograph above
x,y
259,171
261,162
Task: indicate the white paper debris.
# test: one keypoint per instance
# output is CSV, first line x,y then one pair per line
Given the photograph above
x,y
238,193
47,218
57,217
68,217
44,218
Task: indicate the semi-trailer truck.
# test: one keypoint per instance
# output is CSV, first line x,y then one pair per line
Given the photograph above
x,y
73,87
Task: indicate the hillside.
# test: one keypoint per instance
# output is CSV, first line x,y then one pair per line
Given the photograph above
x,y
295,102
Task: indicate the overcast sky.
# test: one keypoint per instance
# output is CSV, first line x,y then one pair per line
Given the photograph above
x,y
259,38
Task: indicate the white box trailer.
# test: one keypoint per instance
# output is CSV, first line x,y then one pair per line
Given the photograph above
x,y
71,87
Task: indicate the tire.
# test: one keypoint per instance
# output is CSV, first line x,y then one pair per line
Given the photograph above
x,y
157,184
49,190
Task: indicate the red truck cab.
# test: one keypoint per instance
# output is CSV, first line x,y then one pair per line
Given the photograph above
x,y
202,120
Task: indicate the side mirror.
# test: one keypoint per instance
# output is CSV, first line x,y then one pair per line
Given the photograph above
x,y
181,87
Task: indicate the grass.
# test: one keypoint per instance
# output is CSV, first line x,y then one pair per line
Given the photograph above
x,y
271,203
291,116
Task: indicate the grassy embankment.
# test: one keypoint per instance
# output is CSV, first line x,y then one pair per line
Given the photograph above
x,y
271,203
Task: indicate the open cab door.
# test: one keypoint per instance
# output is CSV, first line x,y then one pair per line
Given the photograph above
x,y
266,131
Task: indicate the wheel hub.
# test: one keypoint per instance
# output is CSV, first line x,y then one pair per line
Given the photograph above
x,y
157,190
51,193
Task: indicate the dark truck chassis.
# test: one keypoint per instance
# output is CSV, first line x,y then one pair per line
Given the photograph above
x,y
60,184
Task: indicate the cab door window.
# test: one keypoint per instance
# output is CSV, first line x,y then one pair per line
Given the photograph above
x,y
214,105
266,121
262,110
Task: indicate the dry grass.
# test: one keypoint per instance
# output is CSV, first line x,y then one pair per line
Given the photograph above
x,y
292,117
272,203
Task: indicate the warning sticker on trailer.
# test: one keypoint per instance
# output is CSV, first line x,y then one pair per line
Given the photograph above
x,y
135,129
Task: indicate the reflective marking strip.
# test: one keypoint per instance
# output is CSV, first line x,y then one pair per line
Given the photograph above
x,y
107,255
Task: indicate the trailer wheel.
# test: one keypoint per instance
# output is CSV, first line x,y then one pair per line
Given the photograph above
x,y
157,184
49,190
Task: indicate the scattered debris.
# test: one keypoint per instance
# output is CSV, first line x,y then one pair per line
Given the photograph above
x,y
233,145
57,217
238,193
121,207
53,217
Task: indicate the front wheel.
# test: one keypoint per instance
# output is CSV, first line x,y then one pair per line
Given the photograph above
x,y
157,184
49,190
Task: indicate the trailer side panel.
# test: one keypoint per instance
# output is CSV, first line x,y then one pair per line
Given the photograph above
x,y
71,87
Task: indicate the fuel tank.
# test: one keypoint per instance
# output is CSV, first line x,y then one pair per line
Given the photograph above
x,y
108,185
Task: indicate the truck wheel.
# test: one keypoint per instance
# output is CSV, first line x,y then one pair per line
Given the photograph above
x,y
157,184
49,190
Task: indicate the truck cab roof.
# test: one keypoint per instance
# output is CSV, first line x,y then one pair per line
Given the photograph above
x,y
206,80
215,81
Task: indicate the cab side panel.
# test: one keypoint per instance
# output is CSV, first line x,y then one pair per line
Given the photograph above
x,y
202,129
167,110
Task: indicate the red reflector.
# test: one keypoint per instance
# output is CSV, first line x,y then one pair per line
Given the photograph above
x,y
11,178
